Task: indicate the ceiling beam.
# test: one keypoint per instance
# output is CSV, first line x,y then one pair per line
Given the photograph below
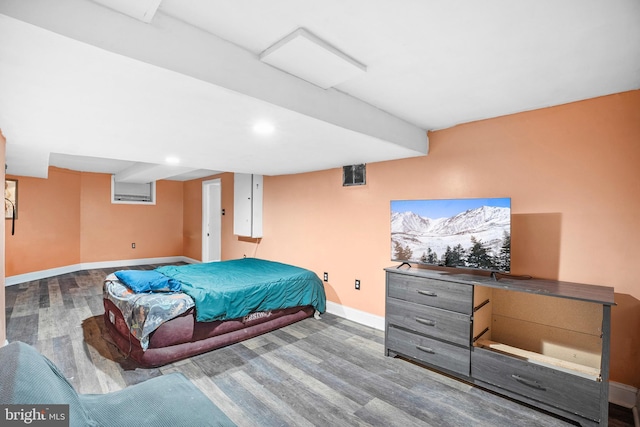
x,y
174,45
142,173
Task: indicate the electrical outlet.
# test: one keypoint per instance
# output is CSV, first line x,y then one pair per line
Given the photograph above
x,y
357,284
326,277
133,246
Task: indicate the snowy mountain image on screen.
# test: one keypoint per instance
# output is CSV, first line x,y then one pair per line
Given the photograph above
x,y
419,238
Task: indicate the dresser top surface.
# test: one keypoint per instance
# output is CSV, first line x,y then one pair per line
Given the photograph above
x,y
579,291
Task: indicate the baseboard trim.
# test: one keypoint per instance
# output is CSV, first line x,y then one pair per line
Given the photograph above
x,y
43,274
623,395
358,316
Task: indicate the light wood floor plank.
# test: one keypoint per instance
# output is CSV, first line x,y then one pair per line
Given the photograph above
x,y
328,393
55,295
211,390
300,359
259,413
282,414
380,413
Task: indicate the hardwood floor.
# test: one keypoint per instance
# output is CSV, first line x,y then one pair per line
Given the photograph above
x,y
329,372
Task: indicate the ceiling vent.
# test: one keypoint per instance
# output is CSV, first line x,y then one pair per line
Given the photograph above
x,y
354,175
310,58
143,10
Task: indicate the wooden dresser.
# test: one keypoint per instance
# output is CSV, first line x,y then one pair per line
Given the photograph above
x,y
542,342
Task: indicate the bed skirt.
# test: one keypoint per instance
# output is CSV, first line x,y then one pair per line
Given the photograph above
x,y
183,337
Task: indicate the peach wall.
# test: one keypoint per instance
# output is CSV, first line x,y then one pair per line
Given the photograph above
x,y
47,234
572,174
68,219
192,227
107,230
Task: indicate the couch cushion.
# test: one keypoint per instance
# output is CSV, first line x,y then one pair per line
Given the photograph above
x,y
166,401
27,377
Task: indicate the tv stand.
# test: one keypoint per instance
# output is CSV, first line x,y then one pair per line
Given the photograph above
x,y
542,342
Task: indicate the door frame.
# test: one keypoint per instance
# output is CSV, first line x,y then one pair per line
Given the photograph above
x,y
206,213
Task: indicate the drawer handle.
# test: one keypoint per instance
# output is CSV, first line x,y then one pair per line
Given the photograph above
x,y
427,293
529,383
426,321
425,349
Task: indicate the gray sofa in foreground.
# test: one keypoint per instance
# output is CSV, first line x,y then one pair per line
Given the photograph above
x,y
29,378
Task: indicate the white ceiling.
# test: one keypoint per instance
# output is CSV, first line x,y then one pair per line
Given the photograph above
x,y
117,86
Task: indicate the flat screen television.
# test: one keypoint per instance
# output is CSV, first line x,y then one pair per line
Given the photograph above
x,y
466,233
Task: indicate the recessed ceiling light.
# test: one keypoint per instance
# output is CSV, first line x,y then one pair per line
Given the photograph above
x,y
263,128
172,160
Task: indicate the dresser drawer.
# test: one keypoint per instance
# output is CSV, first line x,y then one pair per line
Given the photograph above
x,y
435,322
560,389
436,293
431,351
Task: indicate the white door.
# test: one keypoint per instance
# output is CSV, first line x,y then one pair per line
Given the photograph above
x,y
211,220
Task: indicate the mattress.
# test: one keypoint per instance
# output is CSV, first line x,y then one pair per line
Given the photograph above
x,y
183,336
235,288
238,299
143,313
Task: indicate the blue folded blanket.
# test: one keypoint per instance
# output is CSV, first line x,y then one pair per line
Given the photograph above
x,y
147,281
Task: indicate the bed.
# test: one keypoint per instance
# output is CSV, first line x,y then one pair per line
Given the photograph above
x,y
160,316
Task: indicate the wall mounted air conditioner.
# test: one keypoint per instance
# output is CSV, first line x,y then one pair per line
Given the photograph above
x,y
133,193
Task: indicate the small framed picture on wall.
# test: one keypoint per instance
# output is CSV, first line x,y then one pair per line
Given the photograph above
x,y
10,198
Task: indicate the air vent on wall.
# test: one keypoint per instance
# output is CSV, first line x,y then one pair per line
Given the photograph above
x,y
354,175
129,192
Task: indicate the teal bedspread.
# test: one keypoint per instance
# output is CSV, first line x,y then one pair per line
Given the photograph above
x,y
231,289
